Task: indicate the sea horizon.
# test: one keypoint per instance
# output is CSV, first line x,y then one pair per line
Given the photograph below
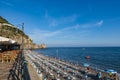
x,y
80,46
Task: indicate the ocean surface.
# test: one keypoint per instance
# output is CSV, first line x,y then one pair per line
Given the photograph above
x,y
101,57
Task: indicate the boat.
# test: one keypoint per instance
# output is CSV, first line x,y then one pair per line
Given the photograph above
x,y
87,57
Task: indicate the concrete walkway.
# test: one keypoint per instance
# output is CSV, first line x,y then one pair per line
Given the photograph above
x,y
5,70
33,74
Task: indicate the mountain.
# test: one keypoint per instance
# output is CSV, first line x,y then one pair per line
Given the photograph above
x,y
10,31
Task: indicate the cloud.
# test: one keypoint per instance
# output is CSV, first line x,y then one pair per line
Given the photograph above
x,y
59,37
71,18
6,3
85,26
100,23
52,21
40,36
89,25
68,34
61,21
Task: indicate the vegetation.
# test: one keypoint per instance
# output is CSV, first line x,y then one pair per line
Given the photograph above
x,y
13,32
2,20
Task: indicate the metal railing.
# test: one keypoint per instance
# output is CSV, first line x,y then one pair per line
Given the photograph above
x,y
24,69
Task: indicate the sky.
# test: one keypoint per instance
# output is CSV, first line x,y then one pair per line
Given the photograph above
x,y
66,23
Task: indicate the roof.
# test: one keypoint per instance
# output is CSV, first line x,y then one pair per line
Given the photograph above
x,y
4,40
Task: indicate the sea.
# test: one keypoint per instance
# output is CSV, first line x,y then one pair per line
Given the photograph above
x,y
100,57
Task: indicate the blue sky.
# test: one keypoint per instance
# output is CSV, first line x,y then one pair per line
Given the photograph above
x,y
66,22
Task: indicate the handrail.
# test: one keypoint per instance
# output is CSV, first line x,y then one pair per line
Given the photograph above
x,y
25,72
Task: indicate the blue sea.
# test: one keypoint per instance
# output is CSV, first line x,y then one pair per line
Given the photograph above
x,y
100,57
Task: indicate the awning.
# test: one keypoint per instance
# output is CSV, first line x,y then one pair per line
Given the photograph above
x,y
4,40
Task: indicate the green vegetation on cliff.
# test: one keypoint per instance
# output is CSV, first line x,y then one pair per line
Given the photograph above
x,y
2,20
8,30
12,32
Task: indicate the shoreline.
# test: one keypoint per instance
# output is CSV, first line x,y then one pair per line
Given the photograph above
x,y
60,64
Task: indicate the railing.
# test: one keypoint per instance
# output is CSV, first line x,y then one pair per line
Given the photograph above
x,y
25,73
19,69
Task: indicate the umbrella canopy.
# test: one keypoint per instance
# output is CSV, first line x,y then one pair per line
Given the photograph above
x,y
3,39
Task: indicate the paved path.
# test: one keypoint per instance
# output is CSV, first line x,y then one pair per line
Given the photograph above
x,y
33,74
5,70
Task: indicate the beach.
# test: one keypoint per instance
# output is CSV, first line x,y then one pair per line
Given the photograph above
x,y
100,57
51,68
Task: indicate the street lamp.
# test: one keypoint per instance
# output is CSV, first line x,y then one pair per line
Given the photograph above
x,y
22,37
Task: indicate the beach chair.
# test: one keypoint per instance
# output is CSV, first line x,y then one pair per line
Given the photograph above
x,y
9,56
4,58
14,52
13,56
18,51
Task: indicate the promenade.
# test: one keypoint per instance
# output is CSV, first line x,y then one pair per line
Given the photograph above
x,y
32,72
9,65
14,69
5,70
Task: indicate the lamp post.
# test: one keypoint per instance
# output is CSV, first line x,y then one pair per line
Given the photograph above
x,y
22,42
22,37
24,69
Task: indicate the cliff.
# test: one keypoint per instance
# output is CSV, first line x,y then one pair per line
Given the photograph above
x,y
10,31
43,46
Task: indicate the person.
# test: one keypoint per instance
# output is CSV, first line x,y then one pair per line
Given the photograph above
x,y
88,70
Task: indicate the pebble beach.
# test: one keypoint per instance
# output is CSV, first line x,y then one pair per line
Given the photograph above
x,y
49,68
